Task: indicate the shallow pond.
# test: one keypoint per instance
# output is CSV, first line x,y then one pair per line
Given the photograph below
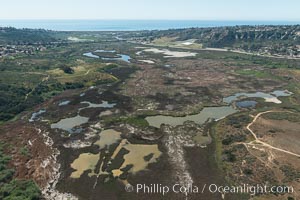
x,y
84,162
69,124
272,97
136,157
246,104
107,138
282,93
202,117
82,95
64,103
104,104
122,57
35,115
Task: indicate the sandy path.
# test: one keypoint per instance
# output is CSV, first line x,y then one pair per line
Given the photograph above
x,y
249,53
261,142
87,72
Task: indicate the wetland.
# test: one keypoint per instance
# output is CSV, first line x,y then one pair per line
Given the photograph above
x,y
138,111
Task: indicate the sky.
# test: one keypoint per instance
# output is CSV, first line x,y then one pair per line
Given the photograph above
x,y
261,10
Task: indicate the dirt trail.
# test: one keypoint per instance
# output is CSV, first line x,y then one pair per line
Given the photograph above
x,y
43,80
249,53
86,73
258,141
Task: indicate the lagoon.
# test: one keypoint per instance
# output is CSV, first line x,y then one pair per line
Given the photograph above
x,y
121,57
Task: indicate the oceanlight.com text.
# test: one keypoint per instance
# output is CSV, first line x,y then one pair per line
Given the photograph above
x,y
211,188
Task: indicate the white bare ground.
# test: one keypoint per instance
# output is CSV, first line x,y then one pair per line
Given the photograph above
x,y
147,61
174,143
171,54
49,191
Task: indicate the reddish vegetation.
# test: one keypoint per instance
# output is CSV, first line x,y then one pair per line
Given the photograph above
x,y
21,138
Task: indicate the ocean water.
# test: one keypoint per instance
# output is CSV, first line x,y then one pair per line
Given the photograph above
x,y
128,25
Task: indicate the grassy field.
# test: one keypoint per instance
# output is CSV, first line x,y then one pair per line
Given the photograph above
x,y
255,73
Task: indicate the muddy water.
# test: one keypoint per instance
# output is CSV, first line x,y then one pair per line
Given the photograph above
x,y
119,147
137,154
84,162
202,140
107,138
203,116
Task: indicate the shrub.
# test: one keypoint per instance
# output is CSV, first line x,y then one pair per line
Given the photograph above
x,y
20,189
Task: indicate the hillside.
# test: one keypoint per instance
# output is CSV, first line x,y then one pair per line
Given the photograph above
x,y
273,40
13,36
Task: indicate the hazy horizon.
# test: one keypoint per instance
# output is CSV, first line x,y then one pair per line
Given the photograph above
x,y
214,10
95,19
129,25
